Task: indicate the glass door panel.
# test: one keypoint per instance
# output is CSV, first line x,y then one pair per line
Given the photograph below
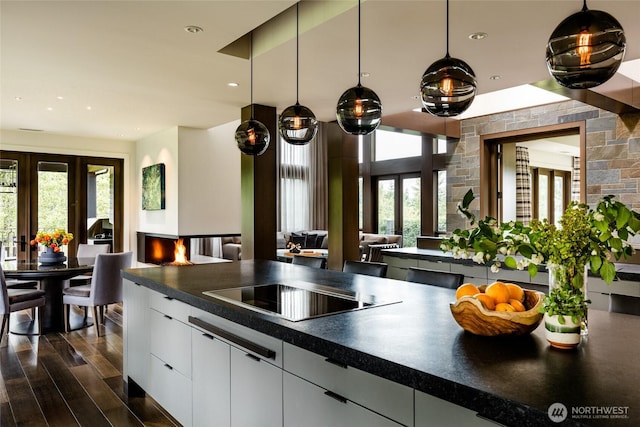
x,y
53,197
386,206
9,209
100,204
410,211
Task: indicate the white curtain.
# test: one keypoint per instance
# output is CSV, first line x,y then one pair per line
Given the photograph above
x,y
523,186
295,186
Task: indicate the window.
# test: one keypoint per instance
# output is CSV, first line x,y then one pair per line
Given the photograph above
x,y
395,145
442,201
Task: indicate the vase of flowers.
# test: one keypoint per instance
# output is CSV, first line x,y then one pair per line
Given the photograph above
x,y
586,239
52,241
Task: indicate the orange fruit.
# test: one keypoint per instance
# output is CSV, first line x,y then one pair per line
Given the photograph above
x,y
498,291
517,305
466,289
515,291
486,301
504,306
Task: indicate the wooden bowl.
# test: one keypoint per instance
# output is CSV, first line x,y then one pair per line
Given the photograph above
x,y
473,317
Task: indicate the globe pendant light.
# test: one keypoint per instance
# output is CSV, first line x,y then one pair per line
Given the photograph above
x,y
359,109
448,87
586,49
252,136
298,124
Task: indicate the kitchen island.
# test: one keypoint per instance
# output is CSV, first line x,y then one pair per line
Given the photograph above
x,y
412,344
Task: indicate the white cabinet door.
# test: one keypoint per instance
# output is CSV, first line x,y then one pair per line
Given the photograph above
x,y
170,341
211,380
432,411
135,358
171,390
308,405
256,391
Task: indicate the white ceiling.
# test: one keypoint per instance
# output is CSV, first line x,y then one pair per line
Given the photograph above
x,y
140,72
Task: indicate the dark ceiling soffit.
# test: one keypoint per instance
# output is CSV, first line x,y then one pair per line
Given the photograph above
x,y
588,96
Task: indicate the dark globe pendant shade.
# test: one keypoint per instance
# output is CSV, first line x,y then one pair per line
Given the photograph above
x,y
359,110
448,87
586,49
252,137
298,125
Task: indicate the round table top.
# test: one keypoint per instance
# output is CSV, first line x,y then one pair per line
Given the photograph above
x,y
71,267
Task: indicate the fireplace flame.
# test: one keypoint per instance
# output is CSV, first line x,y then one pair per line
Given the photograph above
x,y
180,254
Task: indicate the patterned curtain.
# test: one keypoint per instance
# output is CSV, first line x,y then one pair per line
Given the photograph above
x,y
523,186
575,179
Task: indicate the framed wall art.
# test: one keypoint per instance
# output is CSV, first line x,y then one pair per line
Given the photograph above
x,y
153,187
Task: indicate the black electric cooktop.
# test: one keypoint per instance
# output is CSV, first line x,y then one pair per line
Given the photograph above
x,y
297,301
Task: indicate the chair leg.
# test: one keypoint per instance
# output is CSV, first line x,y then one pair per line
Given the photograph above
x,y
40,320
66,310
5,324
96,320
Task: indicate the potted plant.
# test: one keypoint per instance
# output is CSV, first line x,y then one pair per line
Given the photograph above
x,y
586,238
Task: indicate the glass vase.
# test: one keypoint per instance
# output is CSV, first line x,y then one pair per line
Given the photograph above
x,y
560,275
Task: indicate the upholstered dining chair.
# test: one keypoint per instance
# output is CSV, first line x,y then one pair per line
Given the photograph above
x,y
87,253
309,261
435,278
16,283
12,300
105,287
376,269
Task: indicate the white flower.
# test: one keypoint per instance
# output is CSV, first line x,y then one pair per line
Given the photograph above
x,y
598,216
495,267
537,259
478,258
503,250
594,252
456,238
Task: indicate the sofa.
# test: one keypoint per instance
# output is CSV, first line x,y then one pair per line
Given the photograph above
x,y
232,248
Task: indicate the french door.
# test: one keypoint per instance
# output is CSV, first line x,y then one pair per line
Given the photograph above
x,y
398,206
38,191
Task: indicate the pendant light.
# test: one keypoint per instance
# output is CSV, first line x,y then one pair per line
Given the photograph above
x,y
298,124
359,109
448,87
586,49
252,136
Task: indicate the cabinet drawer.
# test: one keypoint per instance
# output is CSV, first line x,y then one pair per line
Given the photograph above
x,y
400,262
470,271
390,399
170,341
308,405
263,342
434,265
432,411
171,390
169,306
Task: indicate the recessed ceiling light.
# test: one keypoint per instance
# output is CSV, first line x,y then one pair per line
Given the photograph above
x,y
60,97
495,77
232,84
88,107
18,98
49,108
365,74
193,29
415,97
478,36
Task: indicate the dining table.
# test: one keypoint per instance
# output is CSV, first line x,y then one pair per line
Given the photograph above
x,y
52,278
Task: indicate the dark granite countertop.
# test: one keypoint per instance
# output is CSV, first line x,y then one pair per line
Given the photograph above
x,y
417,343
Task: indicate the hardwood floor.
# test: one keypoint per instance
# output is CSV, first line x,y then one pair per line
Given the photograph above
x,y
70,379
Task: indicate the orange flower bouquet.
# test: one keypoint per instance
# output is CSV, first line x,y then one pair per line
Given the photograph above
x,y
54,239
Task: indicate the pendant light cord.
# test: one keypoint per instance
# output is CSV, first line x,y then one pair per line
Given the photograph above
x,y
297,52
359,73
251,73
584,6
448,28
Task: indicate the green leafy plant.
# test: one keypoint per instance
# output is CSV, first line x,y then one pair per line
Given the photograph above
x,y
586,237
565,301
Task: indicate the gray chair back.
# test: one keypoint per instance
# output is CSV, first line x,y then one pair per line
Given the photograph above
x,y
624,304
90,251
106,281
5,308
435,278
376,269
315,262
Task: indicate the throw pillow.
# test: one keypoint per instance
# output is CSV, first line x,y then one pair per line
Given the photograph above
x,y
310,241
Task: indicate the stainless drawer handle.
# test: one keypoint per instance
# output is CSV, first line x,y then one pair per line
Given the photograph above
x,y
335,396
251,356
208,336
251,346
168,317
335,362
168,298
168,366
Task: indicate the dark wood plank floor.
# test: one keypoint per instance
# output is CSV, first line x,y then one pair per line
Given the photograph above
x,y
70,379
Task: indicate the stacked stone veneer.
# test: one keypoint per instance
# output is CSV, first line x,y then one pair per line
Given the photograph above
x,y
613,151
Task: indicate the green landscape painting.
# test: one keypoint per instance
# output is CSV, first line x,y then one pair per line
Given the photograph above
x,y
153,187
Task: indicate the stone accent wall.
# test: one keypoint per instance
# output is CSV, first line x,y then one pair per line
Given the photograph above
x,y
613,151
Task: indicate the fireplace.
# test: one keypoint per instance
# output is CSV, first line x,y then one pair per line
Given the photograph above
x,y
159,248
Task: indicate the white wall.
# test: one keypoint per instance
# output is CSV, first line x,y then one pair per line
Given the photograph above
x,y
159,148
41,142
209,181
